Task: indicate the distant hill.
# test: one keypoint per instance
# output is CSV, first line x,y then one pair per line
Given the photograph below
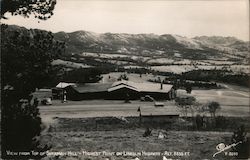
x,y
218,40
151,45
230,42
167,45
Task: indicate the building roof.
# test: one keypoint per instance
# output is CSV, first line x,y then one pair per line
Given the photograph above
x,y
141,87
44,90
92,87
63,85
154,87
128,83
122,86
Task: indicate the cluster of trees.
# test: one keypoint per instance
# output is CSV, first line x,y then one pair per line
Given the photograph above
x,y
82,75
240,137
189,105
218,76
123,77
26,56
138,70
186,84
204,78
89,61
41,10
26,65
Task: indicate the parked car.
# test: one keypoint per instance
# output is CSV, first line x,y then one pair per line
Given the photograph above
x,y
147,98
159,104
46,101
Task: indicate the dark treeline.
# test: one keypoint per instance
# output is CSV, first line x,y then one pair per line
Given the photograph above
x,y
26,57
217,76
81,75
187,84
78,75
197,78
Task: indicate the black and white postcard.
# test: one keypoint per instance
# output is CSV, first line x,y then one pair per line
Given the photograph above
x,y
125,79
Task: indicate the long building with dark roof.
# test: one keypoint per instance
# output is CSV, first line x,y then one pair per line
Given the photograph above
x,y
120,90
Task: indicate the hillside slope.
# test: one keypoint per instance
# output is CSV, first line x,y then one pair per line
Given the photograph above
x,y
153,45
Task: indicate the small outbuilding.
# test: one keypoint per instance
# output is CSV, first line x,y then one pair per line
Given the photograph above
x,y
59,90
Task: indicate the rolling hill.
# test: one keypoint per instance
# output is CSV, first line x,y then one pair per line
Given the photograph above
x,y
198,48
91,48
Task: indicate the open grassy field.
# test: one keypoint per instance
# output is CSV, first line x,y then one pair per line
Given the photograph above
x,y
198,145
113,135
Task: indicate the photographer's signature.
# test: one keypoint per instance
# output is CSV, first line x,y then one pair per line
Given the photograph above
x,y
222,147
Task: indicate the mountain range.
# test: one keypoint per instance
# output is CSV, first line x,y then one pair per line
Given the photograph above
x,y
152,45
203,47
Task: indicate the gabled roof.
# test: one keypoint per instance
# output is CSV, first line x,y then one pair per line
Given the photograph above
x,y
63,85
128,83
122,86
141,87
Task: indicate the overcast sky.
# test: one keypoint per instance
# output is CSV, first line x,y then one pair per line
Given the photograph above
x,y
188,17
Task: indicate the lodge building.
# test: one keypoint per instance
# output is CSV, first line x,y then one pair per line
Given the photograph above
x,y
120,90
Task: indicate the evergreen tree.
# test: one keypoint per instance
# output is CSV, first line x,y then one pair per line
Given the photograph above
x,y
26,57
41,9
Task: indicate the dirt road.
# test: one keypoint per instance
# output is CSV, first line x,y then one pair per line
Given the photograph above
x,y
124,110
